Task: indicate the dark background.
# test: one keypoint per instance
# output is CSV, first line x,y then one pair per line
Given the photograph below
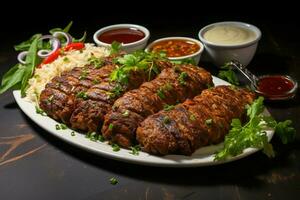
x,y
62,171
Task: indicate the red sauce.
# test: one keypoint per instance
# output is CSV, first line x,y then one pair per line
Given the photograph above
x,y
275,86
122,35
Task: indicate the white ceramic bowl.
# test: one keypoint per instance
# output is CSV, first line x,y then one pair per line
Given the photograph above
x,y
128,47
222,53
196,56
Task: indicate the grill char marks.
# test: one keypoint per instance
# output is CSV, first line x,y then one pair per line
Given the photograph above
x,y
195,123
59,100
89,115
169,88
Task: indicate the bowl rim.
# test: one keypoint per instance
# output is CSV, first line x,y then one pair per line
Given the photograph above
x,y
230,46
117,26
147,49
288,95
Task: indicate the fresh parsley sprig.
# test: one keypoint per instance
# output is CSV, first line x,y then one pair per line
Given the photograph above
x,y
228,74
253,133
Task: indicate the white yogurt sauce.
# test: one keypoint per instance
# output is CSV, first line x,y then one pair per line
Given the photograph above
x,y
229,35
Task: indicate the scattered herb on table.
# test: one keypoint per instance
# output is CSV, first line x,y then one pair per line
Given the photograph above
x,y
113,181
253,133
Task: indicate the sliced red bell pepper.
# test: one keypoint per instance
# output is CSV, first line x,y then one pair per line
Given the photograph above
x,y
74,46
58,52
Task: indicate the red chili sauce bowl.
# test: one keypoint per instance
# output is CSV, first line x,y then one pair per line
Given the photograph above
x,y
131,36
276,87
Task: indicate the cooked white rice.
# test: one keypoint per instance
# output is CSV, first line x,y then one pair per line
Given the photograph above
x,y
75,58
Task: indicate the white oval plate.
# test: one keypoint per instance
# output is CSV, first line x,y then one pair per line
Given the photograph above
x,y
202,157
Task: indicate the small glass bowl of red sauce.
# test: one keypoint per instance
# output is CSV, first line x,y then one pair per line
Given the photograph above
x,y
277,87
178,48
131,36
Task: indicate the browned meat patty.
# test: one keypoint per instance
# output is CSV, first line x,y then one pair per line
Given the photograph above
x,y
172,86
195,123
89,115
60,96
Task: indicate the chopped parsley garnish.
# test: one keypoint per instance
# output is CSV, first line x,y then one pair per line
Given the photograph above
x,y
182,78
83,74
96,62
184,61
82,95
113,181
208,122
136,61
125,113
115,147
253,133
110,127
95,81
166,120
66,59
116,91
63,126
165,88
60,127
192,117
101,138
168,107
161,94
40,111
135,150
49,100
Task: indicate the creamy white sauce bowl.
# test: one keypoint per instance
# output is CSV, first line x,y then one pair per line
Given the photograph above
x,y
220,53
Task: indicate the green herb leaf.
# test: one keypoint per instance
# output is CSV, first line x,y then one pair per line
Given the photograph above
x,y
168,107
184,61
40,111
161,94
126,113
285,132
208,122
166,120
253,133
82,39
192,117
115,47
12,78
113,181
82,95
229,76
24,46
110,127
135,150
31,62
115,147
182,78
96,62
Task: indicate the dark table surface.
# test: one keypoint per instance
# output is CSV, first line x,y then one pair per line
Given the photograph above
x,y
36,165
